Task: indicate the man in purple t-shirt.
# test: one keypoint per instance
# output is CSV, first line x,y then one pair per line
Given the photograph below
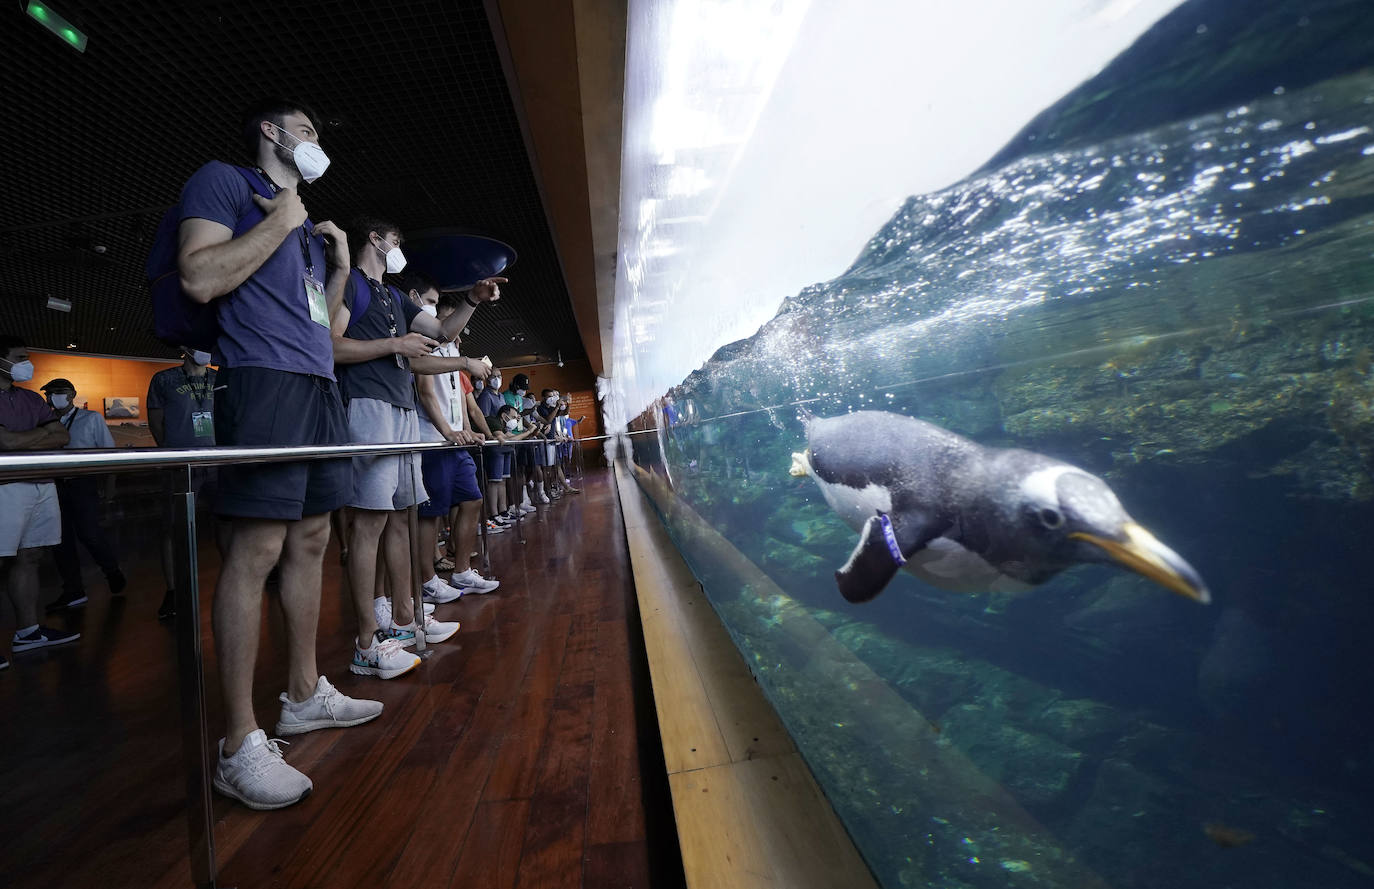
x,y
274,290
29,517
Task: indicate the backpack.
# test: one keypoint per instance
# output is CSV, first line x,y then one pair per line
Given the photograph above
x,y
179,320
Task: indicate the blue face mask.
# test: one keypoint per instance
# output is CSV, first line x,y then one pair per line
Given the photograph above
x,y
478,385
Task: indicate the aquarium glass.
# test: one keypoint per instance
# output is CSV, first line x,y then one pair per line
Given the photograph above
x,y
1150,259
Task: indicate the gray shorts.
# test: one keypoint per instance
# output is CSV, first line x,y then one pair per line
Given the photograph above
x,y
29,516
391,481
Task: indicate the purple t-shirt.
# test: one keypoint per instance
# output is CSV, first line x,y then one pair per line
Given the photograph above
x,y
22,410
265,322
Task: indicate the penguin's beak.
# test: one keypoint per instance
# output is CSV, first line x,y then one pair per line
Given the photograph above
x,y
1142,553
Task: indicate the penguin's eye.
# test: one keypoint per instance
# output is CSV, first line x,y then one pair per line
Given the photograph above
x,y
1051,518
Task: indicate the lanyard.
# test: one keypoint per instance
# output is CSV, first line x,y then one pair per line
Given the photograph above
x,y
380,290
300,232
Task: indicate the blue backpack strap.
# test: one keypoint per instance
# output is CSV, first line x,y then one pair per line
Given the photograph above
x,y
362,298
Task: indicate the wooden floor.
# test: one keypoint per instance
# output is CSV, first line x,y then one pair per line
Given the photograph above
x,y
510,758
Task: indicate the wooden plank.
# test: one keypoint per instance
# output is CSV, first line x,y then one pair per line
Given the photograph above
x,y
762,823
514,775
491,854
617,866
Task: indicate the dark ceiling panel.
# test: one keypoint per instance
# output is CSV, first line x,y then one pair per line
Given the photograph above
x,y
418,124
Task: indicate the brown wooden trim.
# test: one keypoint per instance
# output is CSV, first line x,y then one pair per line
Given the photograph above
x,y
749,812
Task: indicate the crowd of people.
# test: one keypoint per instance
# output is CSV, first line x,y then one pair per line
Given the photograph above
x,y
324,338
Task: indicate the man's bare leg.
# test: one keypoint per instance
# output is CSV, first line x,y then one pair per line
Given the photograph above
x,y
301,575
464,531
365,534
396,539
253,551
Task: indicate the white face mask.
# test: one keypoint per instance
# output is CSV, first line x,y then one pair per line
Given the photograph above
x,y
520,392
60,402
431,311
395,259
21,371
512,425
478,385
311,161
201,358
551,401
496,382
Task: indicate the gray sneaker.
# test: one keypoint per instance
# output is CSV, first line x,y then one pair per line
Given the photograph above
x,y
326,708
257,775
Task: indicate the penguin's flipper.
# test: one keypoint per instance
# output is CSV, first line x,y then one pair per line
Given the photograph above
x,y
870,567
875,560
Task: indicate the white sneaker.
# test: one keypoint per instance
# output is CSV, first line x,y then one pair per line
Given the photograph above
x,y
437,630
257,775
527,509
494,527
381,606
386,659
435,590
543,498
470,582
326,708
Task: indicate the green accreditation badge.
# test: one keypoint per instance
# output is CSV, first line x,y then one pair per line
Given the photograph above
x,y
455,410
314,296
203,424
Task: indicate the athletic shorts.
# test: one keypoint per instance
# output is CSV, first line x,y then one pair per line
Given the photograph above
x,y
29,517
500,462
450,479
261,407
392,481
524,455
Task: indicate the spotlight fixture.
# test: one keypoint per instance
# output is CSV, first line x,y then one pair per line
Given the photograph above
x,y
58,304
560,357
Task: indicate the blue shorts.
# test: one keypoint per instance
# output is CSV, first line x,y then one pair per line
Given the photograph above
x,y
450,479
500,461
261,407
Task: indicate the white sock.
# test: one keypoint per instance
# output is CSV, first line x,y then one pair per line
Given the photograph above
x,y
25,631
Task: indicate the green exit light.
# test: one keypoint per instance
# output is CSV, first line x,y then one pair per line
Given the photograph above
x,y
55,23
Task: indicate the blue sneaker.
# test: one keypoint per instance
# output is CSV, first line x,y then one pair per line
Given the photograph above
x,y
43,637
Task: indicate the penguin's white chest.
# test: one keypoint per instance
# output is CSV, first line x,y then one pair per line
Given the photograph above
x,y
946,564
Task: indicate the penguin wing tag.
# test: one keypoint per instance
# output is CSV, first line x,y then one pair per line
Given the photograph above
x,y
881,552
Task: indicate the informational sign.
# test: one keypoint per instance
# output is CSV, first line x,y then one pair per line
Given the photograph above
x,y
584,403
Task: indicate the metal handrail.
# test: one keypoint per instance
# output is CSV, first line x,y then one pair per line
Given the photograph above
x,y
49,464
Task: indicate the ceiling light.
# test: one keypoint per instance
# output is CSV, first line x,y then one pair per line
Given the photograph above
x,y
41,13
58,304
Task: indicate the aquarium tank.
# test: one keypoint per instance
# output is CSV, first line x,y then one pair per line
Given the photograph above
x,y
1136,239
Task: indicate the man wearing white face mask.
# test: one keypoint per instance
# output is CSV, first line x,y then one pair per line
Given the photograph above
x,y
79,499
181,414
379,337
274,280
29,517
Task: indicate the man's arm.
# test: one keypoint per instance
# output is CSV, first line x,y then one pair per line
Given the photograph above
x,y
438,364
51,436
350,351
212,262
434,410
338,265
486,290
475,418
157,419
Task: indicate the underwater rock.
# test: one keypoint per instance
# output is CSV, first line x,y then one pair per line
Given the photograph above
x,y
1039,771
1124,609
1081,723
1239,667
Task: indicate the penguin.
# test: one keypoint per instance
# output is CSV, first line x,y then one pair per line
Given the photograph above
x,y
969,518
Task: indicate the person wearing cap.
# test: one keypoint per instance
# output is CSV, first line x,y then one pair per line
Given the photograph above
x,y
29,516
79,499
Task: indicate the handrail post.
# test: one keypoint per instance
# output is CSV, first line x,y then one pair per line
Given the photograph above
x,y
481,517
417,578
195,733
